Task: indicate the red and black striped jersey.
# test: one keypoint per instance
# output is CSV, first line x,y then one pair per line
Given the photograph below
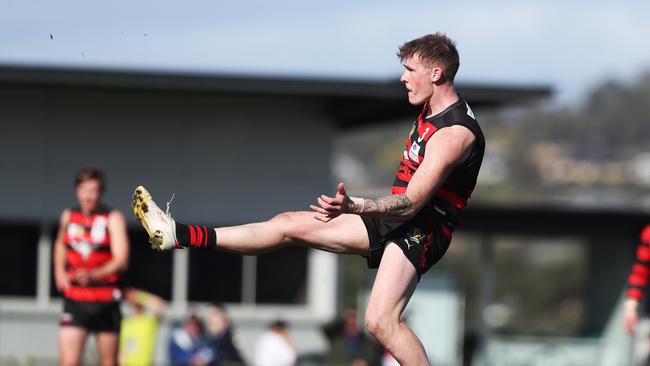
x,y
88,246
452,197
637,281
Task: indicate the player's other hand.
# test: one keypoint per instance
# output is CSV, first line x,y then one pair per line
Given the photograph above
x,y
331,207
630,317
62,280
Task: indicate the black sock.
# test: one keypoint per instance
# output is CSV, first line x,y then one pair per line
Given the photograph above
x,y
194,236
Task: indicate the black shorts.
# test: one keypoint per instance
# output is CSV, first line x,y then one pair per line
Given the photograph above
x,y
422,239
93,316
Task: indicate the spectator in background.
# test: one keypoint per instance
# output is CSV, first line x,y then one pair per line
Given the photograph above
x,y
388,360
220,336
90,251
349,345
275,347
637,285
138,333
188,344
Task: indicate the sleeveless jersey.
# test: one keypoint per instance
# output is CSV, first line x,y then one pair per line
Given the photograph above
x,y
88,246
637,281
451,198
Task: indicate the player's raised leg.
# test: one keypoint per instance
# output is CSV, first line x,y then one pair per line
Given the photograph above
x,y
394,284
344,234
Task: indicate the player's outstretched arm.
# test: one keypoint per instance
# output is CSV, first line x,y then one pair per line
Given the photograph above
x,y
447,148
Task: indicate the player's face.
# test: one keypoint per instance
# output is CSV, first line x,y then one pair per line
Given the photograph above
x,y
417,80
88,195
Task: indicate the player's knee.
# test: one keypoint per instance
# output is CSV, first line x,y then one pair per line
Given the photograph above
x,y
288,224
380,325
66,360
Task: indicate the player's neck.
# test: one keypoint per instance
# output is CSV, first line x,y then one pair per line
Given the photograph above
x,y
443,96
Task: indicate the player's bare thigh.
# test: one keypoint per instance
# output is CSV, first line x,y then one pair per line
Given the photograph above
x,y
344,234
107,347
71,344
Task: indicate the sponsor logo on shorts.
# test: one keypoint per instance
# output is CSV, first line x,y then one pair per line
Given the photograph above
x,y
416,235
66,317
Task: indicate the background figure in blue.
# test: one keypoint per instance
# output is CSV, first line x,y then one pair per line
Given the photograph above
x,y
188,344
220,337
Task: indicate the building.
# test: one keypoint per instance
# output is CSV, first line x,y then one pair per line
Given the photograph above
x,y
232,149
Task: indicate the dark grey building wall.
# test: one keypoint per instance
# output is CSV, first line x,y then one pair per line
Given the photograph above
x,y
228,159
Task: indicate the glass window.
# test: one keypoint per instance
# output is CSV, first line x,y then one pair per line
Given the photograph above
x,y
19,256
539,282
149,270
282,276
540,285
54,293
214,276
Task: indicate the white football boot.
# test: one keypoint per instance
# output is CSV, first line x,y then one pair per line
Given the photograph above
x,y
159,225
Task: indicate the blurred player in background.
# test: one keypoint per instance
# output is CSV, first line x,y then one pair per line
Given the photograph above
x,y
90,251
637,286
139,329
402,234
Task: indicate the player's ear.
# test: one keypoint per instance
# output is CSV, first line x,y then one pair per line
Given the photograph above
x,y
436,74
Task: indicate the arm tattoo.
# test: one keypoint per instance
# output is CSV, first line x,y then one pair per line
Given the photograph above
x,y
393,207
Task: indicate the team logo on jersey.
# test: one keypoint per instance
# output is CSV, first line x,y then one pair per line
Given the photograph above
x,y
469,111
98,230
414,152
424,134
81,243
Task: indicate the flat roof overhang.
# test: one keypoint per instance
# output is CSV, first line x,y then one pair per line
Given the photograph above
x,y
351,102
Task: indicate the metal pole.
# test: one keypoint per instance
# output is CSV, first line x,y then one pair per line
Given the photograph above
x,y
44,267
487,293
180,280
249,280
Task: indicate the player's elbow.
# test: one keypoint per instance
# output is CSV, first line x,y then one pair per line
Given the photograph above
x,y
121,264
414,206
409,214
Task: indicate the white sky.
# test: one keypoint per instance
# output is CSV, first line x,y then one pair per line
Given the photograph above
x,y
568,45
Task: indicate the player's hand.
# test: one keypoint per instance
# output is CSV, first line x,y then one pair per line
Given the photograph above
x,y
630,317
331,207
630,321
61,279
82,277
